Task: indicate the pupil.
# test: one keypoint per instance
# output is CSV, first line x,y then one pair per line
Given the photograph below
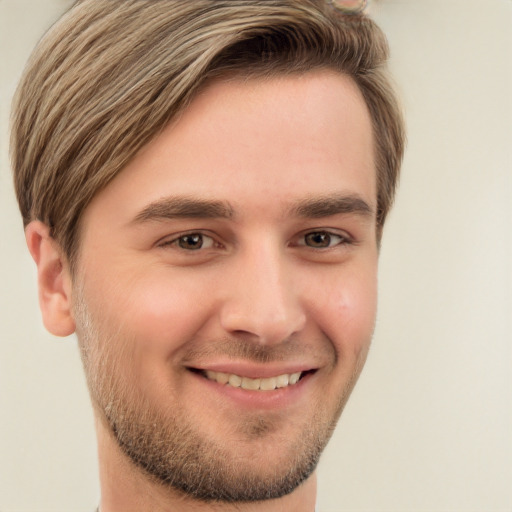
x,y
191,242
318,239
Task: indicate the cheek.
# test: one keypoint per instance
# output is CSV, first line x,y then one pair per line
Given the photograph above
x,y
348,311
139,322
156,311
164,307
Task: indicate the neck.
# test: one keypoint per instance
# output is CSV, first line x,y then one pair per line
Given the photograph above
x,y
125,488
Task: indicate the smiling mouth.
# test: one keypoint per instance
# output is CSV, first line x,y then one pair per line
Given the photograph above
x,y
262,384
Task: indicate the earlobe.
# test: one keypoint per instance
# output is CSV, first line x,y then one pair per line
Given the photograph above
x,y
53,278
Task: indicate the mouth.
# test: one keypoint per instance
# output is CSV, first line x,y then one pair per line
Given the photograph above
x,y
259,384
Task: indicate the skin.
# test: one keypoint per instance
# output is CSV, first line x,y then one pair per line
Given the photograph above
x,y
285,280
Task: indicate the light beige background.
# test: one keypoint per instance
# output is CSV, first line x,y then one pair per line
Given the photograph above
x,y
429,427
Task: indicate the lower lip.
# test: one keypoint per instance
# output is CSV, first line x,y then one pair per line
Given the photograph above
x,y
276,399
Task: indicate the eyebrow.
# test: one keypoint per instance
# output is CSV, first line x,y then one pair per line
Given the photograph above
x,y
334,204
169,208
184,207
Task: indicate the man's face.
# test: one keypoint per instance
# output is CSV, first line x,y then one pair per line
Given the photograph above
x,y
240,246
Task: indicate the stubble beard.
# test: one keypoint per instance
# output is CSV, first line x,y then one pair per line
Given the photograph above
x,y
173,453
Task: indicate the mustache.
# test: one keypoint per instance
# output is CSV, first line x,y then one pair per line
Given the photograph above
x,y
250,350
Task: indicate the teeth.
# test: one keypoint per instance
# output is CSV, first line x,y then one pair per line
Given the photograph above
x,y
268,384
294,378
282,381
251,384
235,381
222,378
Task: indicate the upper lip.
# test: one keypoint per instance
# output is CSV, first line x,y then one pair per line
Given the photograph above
x,y
255,371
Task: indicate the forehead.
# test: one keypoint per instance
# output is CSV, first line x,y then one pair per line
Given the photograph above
x,y
250,141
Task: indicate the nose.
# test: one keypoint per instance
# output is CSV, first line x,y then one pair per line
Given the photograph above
x,y
262,299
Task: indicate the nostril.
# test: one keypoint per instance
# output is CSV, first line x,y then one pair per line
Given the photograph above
x,y
262,326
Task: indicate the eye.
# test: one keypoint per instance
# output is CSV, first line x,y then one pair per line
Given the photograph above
x,y
323,240
191,242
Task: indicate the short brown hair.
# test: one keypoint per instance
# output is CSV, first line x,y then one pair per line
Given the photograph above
x,y
110,75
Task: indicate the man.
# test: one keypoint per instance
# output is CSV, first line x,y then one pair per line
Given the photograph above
x,y
204,186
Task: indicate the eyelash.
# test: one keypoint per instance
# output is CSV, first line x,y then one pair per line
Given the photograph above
x,y
175,241
344,240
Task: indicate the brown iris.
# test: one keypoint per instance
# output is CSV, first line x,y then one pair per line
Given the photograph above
x,y
318,240
192,242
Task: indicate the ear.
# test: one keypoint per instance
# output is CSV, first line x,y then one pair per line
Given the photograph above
x,y
53,278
